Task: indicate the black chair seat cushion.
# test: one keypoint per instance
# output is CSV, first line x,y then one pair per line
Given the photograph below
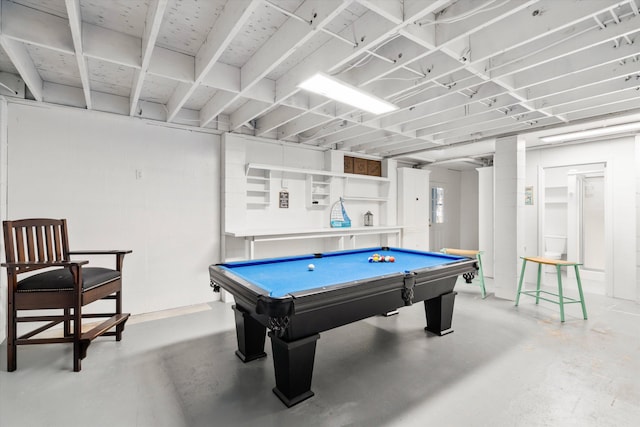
x,y
62,279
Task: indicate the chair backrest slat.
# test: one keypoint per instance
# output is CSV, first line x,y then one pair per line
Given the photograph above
x,y
58,242
36,240
64,239
30,252
19,243
40,243
49,242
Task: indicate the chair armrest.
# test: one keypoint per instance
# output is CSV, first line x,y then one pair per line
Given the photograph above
x,y
43,264
118,253
101,252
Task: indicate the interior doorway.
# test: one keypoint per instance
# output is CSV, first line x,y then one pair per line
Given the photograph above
x,y
572,221
438,216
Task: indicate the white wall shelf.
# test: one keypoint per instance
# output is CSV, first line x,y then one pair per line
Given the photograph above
x,y
365,199
262,235
314,172
315,180
257,178
258,191
365,191
318,191
318,184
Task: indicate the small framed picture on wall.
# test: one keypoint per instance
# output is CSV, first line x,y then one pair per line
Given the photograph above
x,y
528,195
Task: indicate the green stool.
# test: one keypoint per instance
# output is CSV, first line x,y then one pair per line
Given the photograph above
x,y
469,276
561,299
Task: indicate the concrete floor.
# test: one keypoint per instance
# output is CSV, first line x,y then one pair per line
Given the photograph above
x,y
503,366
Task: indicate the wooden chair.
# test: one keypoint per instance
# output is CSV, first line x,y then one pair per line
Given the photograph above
x,y
35,244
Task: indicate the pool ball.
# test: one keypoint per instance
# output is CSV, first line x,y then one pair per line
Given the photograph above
x,y
311,267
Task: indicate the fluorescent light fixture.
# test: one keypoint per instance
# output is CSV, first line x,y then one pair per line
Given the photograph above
x,y
338,91
610,130
457,160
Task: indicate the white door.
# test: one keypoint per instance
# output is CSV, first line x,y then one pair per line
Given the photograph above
x,y
413,207
592,224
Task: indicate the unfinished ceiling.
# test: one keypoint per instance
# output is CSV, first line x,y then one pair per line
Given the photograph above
x,y
461,72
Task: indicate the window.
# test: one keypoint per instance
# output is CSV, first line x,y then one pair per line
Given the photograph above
x,y
437,205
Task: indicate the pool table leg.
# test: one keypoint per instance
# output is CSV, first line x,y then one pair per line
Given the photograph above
x,y
250,334
293,365
439,312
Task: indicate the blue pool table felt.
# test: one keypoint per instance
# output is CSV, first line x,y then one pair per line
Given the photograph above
x,y
282,276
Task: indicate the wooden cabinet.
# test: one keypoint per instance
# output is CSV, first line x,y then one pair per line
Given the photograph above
x,y
360,166
374,167
348,164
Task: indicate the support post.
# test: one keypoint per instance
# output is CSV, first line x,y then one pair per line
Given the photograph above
x,y
508,226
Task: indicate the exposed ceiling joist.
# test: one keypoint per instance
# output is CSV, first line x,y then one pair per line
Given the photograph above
x,y
459,71
75,24
153,21
234,16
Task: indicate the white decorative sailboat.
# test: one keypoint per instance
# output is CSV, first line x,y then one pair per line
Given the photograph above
x,y
339,217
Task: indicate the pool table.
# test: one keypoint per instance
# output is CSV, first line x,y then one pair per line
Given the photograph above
x,y
296,303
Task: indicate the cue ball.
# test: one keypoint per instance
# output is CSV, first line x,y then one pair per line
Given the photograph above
x,y
311,267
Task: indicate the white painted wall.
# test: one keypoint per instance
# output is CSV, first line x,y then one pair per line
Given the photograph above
x,y
485,218
469,220
637,168
622,175
241,150
122,183
238,216
3,213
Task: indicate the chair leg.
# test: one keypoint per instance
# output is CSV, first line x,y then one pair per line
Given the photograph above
x,y
120,326
77,345
561,296
584,308
481,275
77,360
11,339
524,264
538,283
